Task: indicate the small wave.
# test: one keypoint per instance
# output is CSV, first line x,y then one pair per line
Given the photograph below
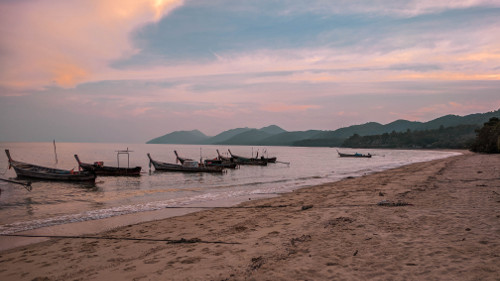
x,y
115,211
254,183
309,178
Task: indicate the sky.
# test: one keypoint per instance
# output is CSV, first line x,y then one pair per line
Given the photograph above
x,y
131,70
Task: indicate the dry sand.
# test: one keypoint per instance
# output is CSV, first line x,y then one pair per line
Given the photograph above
x,y
337,231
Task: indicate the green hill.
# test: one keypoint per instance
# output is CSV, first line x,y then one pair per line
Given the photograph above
x,y
224,136
181,137
455,137
274,135
289,138
370,128
272,130
251,137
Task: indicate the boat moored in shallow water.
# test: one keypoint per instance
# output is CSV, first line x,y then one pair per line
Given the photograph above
x,y
188,166
248,161
217,162
354,155
32,171
101,170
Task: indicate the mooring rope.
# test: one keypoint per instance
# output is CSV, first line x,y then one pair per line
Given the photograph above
x,y
303,207
169,241
228,207
26,185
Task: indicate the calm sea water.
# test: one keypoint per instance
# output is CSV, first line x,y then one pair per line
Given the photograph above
x,y
58,203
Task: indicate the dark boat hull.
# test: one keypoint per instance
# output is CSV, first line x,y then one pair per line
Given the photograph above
x,y
270,160
101,170
355,155
249,161
169,167
209,163
26,170
220,163
80,177
111,171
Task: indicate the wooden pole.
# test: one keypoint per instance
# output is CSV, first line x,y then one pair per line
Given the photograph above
x,y
55,152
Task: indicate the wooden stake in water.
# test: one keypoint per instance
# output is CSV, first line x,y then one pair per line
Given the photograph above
x,y
55,152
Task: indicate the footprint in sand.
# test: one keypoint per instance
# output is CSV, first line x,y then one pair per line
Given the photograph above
x,y
130,268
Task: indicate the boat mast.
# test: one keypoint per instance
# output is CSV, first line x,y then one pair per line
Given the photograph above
x,y
118,152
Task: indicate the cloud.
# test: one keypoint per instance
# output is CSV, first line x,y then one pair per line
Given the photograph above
x,y
431,111
348,114
69,42
67,74
140,110
411,8
205,39
282,107
217,112
221,63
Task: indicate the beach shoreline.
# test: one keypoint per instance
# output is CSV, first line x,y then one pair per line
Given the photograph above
x,y
93,227
434,220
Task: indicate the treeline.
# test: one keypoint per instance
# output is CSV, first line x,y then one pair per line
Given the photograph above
x,y
331,142
457,137
488,137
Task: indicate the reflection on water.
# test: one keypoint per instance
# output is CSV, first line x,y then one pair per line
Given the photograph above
x,y
51,203
29,208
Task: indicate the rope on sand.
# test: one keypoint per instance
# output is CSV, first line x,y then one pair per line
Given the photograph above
x,y
228,207
169,241
302,207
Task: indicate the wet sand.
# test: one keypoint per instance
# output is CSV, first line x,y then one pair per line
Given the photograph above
x,y
437,220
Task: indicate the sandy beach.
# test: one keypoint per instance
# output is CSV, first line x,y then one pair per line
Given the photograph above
x,y
437,220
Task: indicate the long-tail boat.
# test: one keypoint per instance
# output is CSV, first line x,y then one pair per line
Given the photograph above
x,y
180,159
248,161
223,158
32,171
267,159
101,170
220,163
354,155
187,167
227,164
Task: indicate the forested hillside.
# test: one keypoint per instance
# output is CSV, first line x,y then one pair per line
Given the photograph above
x,y
457,137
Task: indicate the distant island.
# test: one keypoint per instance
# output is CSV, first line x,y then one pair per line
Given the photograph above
x,y
449,131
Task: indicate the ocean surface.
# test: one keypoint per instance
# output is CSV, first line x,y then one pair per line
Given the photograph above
x,y
61,203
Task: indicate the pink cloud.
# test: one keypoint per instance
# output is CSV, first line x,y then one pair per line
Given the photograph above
x,y
347,114
68,42
67,74
140,110
281,107
216,113
437,110
408,8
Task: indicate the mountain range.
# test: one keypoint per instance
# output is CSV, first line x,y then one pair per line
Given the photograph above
x,y
276,136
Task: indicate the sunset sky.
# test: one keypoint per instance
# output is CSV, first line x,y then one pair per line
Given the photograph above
x,y
132,70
